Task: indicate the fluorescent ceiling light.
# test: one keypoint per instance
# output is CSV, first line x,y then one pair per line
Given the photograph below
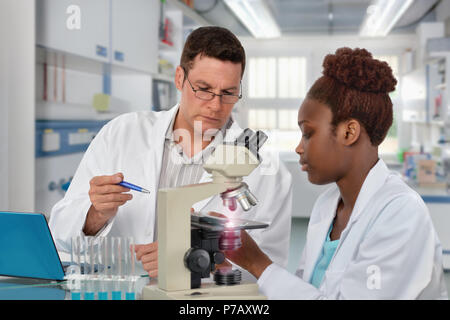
x,y
381,17
256,17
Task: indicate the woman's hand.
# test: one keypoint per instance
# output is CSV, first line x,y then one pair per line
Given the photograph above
x,y
249,256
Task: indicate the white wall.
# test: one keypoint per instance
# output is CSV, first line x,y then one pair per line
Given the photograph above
x,y
17,55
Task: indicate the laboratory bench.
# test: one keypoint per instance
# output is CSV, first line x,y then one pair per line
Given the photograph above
x,y
437,200
14,288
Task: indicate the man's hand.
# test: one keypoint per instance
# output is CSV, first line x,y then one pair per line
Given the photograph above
x,y
106,197
148,255
249,256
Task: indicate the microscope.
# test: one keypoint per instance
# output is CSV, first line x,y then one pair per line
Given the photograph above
x,y
190,244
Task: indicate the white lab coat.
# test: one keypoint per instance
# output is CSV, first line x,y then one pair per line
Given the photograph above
x,y
388,250
133,144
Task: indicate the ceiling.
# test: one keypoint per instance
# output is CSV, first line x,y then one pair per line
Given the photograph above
x,y
316,17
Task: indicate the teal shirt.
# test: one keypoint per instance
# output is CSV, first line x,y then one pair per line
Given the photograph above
x,y
329,247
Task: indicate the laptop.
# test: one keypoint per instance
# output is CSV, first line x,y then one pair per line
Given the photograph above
x,y
27,248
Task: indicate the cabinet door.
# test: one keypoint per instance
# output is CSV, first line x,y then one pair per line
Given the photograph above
x,y
57,27
135,34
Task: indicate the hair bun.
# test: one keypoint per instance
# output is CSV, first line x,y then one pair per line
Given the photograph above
x,y
359,70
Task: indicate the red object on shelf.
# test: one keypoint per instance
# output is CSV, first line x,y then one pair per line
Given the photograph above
x,y
44,97
189,3
167,32
437,104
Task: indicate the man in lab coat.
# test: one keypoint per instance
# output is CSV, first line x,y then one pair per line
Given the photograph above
x,y
166,149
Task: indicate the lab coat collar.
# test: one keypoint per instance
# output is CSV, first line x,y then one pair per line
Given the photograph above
x,y
206,152
159,133
374,181
152,160
161,128
317,230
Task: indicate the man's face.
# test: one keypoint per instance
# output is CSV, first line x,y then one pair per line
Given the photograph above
x,y
210,74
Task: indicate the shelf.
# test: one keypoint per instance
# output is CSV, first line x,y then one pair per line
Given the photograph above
x,y
164,46
54,58
441,86
47,110
423,122
163,77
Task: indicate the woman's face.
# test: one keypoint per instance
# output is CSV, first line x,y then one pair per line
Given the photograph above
x,y
319,149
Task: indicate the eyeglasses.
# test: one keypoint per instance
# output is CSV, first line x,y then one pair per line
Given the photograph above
x,y
208,95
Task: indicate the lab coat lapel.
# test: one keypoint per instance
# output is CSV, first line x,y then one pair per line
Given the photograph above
x,y
231,134
153,157
375,179
317,233
152,160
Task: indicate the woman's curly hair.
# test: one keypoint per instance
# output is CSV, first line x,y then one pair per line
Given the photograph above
x,y
356,86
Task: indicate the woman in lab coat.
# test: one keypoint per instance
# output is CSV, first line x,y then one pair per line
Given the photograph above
x,y
370,236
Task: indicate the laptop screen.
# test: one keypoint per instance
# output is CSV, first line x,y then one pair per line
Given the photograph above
x,y
27,248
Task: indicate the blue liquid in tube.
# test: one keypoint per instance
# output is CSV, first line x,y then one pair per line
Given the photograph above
x,y
103,295
130,296
116,295
89,295
76,296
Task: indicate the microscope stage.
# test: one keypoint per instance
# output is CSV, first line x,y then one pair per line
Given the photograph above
x,y
213,223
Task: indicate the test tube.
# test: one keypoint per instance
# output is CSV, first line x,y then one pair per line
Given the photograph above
x,y
89,255
75,251
102,267
107,252
85,269
130,272
72,250
117,259
74,270
92,257
117,268
133,257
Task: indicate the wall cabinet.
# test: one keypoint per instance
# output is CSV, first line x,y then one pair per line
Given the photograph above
x,y
124,33
90,40
135,34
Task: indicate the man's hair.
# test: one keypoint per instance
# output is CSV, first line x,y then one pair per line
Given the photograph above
x,y
355,85
213,42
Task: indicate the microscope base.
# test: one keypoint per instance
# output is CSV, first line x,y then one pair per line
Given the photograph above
x,y
208,291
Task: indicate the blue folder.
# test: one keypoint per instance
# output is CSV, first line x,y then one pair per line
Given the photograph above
x,y
27,248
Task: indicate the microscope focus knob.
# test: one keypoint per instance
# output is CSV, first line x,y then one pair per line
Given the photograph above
x,y
197,260
219,257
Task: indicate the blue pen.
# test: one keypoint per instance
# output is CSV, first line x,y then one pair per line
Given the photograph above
x,y
133,187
